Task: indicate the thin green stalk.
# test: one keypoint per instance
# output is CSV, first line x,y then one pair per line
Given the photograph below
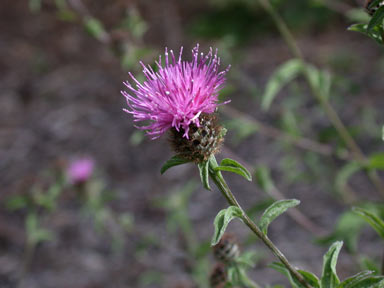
x,y
331,113
220,182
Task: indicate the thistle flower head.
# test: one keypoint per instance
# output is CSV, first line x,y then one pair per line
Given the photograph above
x,y
80,170
177,94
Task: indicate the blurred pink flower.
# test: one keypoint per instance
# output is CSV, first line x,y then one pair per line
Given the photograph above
x,y
176,94
80,170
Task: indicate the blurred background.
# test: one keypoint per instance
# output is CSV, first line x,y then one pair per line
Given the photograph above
x,y
82,201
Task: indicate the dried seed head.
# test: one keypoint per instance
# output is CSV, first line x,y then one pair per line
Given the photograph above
x,y
372,10
203,140
227,249
218,277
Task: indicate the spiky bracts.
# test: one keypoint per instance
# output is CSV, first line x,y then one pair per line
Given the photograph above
x,y
202,140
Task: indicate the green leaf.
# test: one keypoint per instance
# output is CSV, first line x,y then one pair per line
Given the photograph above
x,y
36,234
174,161
222,220
264,179
310,278
282,76
248,259
283,270
368,282
377,19
351,281
347,229
275,210
329,277
95,28
235,167
204,174
344,174
376,161
372,219
374,34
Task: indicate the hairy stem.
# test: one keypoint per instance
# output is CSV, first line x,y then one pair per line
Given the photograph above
x,y
217,177
331,113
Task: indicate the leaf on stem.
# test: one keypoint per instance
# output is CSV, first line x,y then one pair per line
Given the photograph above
x,y
222,220
275,210
329,277
235,167
174,161
204,174
264,179
376,161
282,76
352,281
377,19
309,277
372,219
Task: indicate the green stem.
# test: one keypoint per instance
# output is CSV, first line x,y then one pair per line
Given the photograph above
x,y
218,179
331,113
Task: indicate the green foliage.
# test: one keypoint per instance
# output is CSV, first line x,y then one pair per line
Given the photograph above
x,y
372,219
321,80
274,211
376,161
329,277
347,229
377,19
283,75
222,220
240,129
235,167
375,28
344,174
134,23
263,179
204,174
174,161
308,276
95,28
35,233
363,280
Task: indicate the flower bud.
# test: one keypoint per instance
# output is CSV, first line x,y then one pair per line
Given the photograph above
x,y
227,249
218,276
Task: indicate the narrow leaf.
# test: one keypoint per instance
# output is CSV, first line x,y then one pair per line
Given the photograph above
x,y
275,210
310,278
344,174
369,282
95,28
174,161
351,281
264,179
377,19
283,270
204,174
282,76
372,219
329,277
376,161
222,220
235,167
374,34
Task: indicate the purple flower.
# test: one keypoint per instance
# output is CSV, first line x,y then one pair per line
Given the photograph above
x,y
176,94
80,170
